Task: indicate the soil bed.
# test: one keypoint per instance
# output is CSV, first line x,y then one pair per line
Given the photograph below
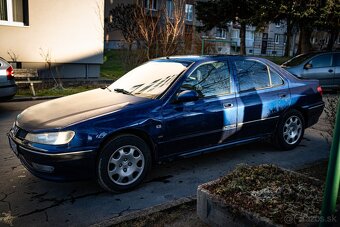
x,y
270,192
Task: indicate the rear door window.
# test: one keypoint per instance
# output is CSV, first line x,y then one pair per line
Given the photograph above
x,y
254,75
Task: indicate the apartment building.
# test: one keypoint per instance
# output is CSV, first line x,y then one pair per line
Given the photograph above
x,y
65,34
269,40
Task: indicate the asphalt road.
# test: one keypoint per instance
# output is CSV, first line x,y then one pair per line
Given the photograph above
x,y
28,201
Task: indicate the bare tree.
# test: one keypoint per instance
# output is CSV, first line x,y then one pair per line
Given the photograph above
x,y
161,31
14,57
172,32
122,18
148,23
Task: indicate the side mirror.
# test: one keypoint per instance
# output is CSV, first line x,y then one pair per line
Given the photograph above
x,y
187,96
308,66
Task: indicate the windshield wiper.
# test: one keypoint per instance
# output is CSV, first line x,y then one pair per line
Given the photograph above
x,y
107,87
120,90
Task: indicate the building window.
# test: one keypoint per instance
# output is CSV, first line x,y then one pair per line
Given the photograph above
x,y
14,12
278,24
189,9
277,38
235,33
250,35
150,4
169,8
221,33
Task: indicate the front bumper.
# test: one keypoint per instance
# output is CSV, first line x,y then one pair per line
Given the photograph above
x,y
56,167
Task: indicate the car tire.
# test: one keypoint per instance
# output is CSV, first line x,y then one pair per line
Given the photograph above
x,y
290,130
123,163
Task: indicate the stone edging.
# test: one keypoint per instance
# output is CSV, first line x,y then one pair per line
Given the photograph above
x,y
144,212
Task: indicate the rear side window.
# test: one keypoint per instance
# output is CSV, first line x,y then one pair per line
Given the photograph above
x,y
276,78
211,79
253,75
324,60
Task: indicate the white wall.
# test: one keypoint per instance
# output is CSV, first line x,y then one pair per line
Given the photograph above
x,y
70,30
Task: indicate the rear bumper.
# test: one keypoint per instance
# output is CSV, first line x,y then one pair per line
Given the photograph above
x,y
56,167
8,91
314,113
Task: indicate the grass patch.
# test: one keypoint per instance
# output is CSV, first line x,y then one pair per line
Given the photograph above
x,y
112,67
55,91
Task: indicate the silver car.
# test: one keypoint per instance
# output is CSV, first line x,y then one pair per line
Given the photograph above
x,y
8,88
324,66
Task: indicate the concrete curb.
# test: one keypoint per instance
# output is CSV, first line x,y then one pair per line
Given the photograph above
x,y
32,98
144,212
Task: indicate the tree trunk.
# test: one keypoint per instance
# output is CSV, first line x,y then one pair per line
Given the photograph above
x,y
333,36
288,39
304,40
243,39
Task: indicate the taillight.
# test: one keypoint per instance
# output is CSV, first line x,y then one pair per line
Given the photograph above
x,y
9,73
319,89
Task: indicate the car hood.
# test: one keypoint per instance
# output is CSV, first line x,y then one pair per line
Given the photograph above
x,y
72,109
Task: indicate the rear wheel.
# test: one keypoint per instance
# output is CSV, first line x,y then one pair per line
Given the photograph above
x,y
123,163
290,130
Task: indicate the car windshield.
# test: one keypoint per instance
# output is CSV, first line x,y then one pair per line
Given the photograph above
x,y
298,59
149,80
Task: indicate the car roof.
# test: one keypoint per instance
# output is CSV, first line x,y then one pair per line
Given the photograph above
x,y
203,58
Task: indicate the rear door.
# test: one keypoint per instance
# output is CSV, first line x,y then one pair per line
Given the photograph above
x,y
210,120
336,64
263,96
321,69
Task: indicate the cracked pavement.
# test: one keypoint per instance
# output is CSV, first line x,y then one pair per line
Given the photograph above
x,y
28,201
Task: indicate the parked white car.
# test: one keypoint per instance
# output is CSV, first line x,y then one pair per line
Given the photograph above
x,y
8,88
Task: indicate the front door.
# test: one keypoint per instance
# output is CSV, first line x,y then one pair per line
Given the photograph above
x,y
210,120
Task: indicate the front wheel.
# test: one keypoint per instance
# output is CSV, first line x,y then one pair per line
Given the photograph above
x,y
290,130
123,163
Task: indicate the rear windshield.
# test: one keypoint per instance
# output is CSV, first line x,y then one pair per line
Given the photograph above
x,y
298,59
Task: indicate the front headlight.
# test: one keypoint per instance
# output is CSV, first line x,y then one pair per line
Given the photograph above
x,y
51,138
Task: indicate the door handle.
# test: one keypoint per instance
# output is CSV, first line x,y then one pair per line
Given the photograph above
x,y
228,105
282,96
330,70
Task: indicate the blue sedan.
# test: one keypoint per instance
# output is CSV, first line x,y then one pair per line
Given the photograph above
x,y
164,109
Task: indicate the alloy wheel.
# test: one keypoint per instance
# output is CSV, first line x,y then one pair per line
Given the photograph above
x,y
126,165
292,130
